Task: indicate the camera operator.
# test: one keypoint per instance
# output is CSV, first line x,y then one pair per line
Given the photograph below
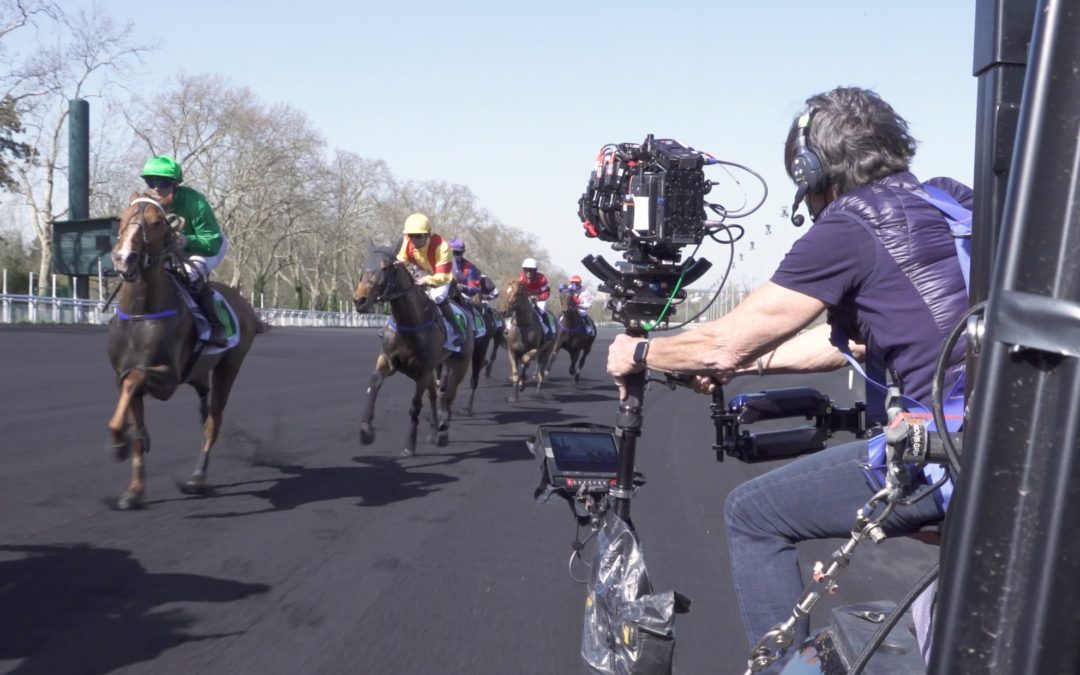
x,y
882,261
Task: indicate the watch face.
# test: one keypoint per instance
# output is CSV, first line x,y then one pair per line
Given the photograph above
x,y
640,351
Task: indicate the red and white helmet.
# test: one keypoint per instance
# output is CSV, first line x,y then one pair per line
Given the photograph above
x,y
575,278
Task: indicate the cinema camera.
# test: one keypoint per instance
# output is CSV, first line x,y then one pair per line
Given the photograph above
x,y
647,199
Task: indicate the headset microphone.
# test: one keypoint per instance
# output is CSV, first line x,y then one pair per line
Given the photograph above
x,y
797,219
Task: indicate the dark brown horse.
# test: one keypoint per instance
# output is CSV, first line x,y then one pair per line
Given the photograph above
x,y
495,325
153,347
572,336
525,339
413,344
475,311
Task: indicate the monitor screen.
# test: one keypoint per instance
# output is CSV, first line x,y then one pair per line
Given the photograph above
x,y
584,452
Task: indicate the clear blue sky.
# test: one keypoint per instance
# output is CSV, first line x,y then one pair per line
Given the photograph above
x,y
514,99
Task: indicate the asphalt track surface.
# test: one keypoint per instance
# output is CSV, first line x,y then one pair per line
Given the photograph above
x,y
314,554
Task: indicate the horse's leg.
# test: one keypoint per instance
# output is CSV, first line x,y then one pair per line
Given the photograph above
x,y
140,445
443,398
221,382
581,361
119,442
422,383
474,378
560,338
494,351
514,376
204,399
378,376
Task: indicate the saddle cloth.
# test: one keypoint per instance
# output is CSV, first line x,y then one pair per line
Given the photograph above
x,y
202,326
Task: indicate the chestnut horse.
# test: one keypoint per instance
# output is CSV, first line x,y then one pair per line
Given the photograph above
x,y
412,343
571,336
153,347
525,338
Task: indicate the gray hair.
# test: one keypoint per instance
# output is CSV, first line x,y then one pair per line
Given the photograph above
x,y
858,137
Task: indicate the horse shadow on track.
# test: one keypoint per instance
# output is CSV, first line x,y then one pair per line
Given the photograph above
x,y
383,481
504,451
75,608
532,416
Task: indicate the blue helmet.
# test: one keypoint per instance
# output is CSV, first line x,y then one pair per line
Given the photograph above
x,y
457,245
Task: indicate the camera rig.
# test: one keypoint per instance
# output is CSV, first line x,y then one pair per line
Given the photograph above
x,y
648,200
795,402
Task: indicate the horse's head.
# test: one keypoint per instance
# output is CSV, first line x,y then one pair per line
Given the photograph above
x,y
515,293
141,242
382,278
566,300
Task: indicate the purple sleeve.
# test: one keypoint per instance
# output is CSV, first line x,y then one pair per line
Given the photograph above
x,y
833,257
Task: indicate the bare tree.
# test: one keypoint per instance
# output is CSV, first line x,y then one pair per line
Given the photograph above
x,y
88,51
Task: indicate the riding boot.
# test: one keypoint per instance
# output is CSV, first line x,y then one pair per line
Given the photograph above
x,y
205,298
455,330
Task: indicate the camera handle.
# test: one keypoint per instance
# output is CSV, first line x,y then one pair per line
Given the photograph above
x,y
627,430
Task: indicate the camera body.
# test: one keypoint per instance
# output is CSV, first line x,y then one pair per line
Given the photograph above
x,y
648,200
648,196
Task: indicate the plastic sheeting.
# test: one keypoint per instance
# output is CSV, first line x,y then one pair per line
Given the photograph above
x,y
628,628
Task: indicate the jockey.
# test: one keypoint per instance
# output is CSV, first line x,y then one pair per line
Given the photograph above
x,y
536,286
488,290
204,244
430,253
466,274
582,298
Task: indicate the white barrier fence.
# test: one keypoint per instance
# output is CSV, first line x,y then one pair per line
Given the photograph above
x,y
29,308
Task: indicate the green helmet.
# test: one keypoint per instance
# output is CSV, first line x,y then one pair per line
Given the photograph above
x,y
164,167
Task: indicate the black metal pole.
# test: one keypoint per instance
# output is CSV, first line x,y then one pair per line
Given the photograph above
x,y
1011,571
79,176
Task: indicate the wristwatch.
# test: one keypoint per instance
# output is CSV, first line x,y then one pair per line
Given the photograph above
x,y
640,352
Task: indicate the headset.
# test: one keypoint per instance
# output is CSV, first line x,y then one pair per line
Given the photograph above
x,y
806,168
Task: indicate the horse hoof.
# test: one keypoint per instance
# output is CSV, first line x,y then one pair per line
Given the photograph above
x,y
443,439
194,486
367,434
408,452
129,501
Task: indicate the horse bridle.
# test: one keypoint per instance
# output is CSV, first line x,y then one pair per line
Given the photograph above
x,y
146,258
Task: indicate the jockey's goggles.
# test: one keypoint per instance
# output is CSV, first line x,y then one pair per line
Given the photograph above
x,y
160,183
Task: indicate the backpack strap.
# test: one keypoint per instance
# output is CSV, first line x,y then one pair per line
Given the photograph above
x,y
959,219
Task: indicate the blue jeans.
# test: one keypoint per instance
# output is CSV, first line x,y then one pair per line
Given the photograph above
x,y
813,497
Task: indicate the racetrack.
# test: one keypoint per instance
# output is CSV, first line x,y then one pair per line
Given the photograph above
x,y
317,555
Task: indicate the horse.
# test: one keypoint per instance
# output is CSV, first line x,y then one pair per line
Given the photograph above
x,y
525,338
153,347
413,344
474,309
495,325
571,336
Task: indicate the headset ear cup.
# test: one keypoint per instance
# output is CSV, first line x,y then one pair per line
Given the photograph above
x,y
806,167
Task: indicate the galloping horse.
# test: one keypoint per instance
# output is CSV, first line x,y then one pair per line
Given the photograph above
x,y
571,336
479,347
495,325
525,339
153,347
412,343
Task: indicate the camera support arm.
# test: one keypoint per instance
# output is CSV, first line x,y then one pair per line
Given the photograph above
x,y
628,423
